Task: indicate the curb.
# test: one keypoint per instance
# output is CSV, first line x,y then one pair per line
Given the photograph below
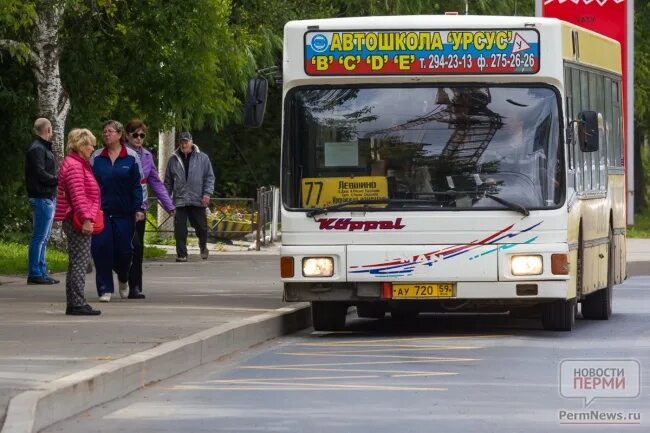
x,y
638,268
32,411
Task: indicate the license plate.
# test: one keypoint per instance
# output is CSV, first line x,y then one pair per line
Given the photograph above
x,y
423,290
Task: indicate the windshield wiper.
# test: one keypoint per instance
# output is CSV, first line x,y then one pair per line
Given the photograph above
x,y
510,205
366,204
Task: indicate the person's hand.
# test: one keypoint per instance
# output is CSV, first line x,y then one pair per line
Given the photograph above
x,y
205,200
172,212
139,216
87,228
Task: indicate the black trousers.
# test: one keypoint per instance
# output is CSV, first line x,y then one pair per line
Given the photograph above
x,y
198,220
135,273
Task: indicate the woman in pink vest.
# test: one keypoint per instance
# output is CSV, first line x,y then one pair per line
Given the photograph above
x,y
78,196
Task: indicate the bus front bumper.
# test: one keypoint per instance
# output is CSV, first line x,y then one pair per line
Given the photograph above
x,y
507,292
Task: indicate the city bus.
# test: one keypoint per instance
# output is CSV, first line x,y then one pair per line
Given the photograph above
x,y
450,164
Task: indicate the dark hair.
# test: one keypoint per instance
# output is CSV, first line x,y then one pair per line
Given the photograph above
x,y
135,124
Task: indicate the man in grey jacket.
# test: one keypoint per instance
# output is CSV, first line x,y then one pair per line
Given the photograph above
x,y
189,180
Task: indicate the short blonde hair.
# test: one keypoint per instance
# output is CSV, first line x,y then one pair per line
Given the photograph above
x,y
79,137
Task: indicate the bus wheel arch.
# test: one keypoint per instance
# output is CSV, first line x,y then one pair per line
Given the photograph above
x,y
580,260
598,305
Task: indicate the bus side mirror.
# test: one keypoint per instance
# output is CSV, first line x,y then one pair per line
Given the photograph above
x,y
255,102
588,131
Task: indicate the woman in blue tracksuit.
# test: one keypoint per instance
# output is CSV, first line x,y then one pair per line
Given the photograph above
x,y
119,174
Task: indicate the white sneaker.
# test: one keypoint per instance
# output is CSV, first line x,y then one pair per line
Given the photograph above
x,y
106,297
124,290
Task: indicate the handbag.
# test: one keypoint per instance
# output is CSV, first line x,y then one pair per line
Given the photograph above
x,y
98,226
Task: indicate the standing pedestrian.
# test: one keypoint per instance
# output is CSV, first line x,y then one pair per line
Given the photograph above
x,y
78,197
119,175
135,133
41,180
189,179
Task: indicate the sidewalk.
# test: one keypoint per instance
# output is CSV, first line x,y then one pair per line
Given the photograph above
x,y
40,344
638,257
41,347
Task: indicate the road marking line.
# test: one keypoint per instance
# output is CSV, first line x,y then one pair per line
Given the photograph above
x,y
395,373
405,349
274,379
386,340
410,346
361,356
318,385
331,364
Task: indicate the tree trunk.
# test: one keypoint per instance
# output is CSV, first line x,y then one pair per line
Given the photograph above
x,y
53,100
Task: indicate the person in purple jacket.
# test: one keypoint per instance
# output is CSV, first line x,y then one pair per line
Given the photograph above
x,y
136,130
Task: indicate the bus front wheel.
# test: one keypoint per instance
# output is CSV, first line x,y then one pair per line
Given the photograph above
x,y
328,316
559,315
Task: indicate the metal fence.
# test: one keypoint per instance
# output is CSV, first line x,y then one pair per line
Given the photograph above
x,y
229,219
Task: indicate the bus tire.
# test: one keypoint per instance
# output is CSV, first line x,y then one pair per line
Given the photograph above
x,y
598,305
328,316
559,315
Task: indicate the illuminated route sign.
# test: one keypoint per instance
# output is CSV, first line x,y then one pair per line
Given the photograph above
x,y
422,52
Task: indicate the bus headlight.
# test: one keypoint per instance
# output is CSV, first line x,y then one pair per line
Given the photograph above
x,y
317,267
526,265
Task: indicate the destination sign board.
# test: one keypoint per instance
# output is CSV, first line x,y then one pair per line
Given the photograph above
x,y
422,52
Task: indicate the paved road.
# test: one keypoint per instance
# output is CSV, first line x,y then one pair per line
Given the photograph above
x,y
451,374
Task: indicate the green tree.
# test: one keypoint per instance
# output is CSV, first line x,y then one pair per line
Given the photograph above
x,y
171,62
641,100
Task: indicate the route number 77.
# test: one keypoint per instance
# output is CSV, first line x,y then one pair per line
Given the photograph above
x,y
311,185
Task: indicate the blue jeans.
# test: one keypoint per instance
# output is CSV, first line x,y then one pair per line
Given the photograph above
x,y
42,217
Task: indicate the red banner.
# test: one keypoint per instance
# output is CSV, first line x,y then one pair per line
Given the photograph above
x,y
607,17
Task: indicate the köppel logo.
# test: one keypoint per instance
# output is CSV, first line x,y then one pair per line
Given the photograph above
x,y
349,225
319,43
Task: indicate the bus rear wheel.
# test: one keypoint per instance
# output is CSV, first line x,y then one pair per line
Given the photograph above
x,y
328,316
598,305
559,315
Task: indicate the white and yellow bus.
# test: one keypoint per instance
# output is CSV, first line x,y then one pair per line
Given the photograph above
x,y
451,163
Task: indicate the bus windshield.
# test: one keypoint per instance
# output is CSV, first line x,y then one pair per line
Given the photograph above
x,y
432,147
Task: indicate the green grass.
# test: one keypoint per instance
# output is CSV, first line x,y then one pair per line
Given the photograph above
x,y
13,259
154,252
641,228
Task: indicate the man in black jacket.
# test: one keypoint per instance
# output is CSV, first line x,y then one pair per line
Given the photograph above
x,y
41,179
